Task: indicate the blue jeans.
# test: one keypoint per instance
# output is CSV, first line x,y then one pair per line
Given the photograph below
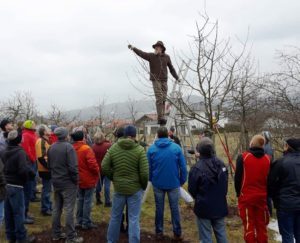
x,y
289,226
46,204
104,180
84,206
1,213
173,196
134,210
34,182
27,193
14,214
205,227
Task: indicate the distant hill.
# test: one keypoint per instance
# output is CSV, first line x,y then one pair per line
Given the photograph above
x,y
121,110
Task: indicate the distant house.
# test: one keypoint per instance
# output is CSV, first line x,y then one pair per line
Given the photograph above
x,y
147,123
117,123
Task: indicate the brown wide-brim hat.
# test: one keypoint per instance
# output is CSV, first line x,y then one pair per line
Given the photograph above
x,y
161,44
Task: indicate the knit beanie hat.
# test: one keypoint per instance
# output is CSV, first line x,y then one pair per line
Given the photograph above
x,y
205,146
293,143
130,131
119,132
14,138
77,136
53,127
4,122
61,133
257,141
29,124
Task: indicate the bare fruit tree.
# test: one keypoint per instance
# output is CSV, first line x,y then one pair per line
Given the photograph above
x,y
284,99
211,74
56,115
247,102
99,108
284,86
20,106
131,105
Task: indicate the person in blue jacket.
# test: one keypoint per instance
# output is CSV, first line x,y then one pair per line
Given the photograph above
x,y
208,183
167,173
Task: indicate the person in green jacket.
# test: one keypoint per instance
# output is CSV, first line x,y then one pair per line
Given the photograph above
x,y
126,165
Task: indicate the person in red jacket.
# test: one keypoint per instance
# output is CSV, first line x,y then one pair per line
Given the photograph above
x,y
88,176
29,139
252,169
53,138
100,147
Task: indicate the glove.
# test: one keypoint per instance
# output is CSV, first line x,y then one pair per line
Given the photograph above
x,y
130,47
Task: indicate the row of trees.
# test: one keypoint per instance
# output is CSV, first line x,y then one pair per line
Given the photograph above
x,y
21,106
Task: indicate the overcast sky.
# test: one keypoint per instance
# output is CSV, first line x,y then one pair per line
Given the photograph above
x,y
72,52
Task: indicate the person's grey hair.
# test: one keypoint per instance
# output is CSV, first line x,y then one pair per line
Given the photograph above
x,y
99,137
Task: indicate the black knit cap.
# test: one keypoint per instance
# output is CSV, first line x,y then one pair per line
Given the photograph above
x,y
119,132
4,122
294,143
77,136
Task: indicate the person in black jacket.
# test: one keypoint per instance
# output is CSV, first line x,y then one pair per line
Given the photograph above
x,y
17,173
284,188
173,137
208,183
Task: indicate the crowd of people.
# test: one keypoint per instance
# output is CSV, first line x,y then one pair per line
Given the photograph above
x,y
75,168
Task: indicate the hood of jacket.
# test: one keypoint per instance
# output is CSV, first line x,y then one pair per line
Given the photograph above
x,y
163,142
28,131
257,152
212,167
12,150
127,143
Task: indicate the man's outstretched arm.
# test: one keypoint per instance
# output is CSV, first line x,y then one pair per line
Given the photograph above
x,y
142,54
172,70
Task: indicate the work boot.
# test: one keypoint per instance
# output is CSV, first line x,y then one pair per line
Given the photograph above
x,y
98,201
75,240
89,227
47,213
107,205
29,239
162,122
62,236
28,221
34,200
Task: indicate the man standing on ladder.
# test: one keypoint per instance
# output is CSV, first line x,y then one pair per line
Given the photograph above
x,y
159,61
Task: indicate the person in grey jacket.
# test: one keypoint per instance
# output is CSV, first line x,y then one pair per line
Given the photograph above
x,y
63,166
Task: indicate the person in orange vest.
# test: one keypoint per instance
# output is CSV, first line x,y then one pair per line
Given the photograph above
x,y
41,147
252,169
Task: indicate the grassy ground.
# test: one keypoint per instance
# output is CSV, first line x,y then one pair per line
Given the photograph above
x,y
102,215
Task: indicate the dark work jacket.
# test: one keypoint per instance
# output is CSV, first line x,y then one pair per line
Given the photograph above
x,y
63,165
16,166
208,184
159,64
284,182
175,139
